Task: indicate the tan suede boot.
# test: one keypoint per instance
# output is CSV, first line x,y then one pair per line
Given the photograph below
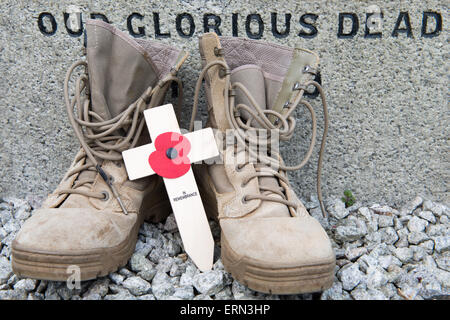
x,y
269,241
92,219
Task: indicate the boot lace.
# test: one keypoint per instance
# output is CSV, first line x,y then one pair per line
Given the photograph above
x,y
101,139
284,122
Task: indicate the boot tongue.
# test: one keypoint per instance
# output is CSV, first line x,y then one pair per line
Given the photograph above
x,y
252,78
120,69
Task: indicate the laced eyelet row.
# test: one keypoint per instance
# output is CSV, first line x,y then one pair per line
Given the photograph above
x,y
262,118
105,195
97,135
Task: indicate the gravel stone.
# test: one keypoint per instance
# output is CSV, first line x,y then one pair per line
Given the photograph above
x,y
380,249
444,220
385,261
441,243
3,233
125,272
366,261
388,235
371,294
209,283
35,296
224,294
187,279
157,254
427,205
137,286
435,208
417,224
389,290
172,248
397,224
99,287
147,274
365,212
411,206
383,210
13,295
25,284
114,288
338,210
165,264
66,294
116,278
12,226
427,215
333,293
139,262
5,270
143,248
354,229
185,293
148,230
374,237
5,216
23,212
177,270
418,253
241,292
13,280
395,273
339,252
51,291
354,253
92,296
405,255
171,224
161,286
154,242
385,221
437,230
443,261
350,276
417,237
428,246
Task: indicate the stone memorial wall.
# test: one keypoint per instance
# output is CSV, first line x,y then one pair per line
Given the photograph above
x,y
383,67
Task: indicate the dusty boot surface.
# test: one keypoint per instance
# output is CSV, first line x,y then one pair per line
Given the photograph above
x,y
269,242
93,217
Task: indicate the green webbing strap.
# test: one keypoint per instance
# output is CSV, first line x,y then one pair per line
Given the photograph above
x,y
295,74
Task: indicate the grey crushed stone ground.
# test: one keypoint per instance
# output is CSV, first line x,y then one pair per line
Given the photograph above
x,y
382,253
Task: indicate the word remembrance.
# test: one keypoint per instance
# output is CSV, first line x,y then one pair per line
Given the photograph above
x,y
370,24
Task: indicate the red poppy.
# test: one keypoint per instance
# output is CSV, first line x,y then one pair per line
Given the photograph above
x,y
170,160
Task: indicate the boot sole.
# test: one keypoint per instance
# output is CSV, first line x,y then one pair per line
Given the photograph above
x,y
91,263
276,280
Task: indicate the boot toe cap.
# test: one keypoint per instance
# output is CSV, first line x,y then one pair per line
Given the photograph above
x,y
70,230
279,242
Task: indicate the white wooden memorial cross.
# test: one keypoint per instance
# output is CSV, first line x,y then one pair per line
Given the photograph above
x,y
170,156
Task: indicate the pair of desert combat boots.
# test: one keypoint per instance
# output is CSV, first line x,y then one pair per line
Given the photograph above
x,y
269,242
